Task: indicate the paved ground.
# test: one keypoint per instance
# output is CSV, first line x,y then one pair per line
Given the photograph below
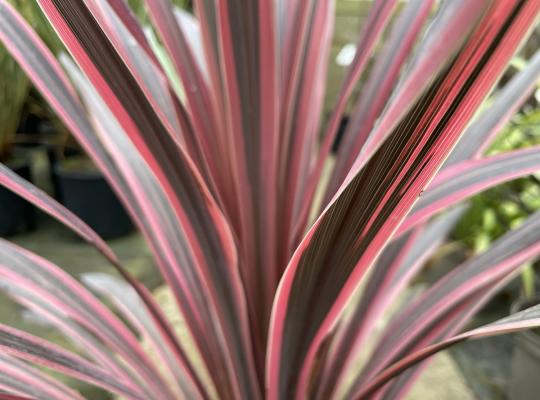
x,y
441,381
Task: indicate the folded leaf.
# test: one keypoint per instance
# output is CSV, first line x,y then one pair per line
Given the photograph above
x,y
393,271
347,238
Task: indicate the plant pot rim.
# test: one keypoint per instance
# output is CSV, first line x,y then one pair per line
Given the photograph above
x,y
77,174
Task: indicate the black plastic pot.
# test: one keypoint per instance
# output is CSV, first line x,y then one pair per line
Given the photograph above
x,y
88,195
31,124
16,214
524,381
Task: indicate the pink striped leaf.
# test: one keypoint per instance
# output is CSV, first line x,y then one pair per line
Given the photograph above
x,y
411,374
189,288
476,138
376,92
45,280
5,396
468,178
200,102
266,213
38,351
152,82
132,56
38,303
483,130
25,382
238,31
119,89
25,189
504,257
526,319
484,127
148,74
454,21
379,15
192,31
301,139
480,133
303,85
198,206
128,303
437,334
348,237
47,204
450,325
49,78
393,271
47,75
122,10
93,51
206,14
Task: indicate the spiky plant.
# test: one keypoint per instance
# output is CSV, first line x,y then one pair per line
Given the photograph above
x,y
221,180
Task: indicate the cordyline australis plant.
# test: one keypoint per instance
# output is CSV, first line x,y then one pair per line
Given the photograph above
x,y
210,133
